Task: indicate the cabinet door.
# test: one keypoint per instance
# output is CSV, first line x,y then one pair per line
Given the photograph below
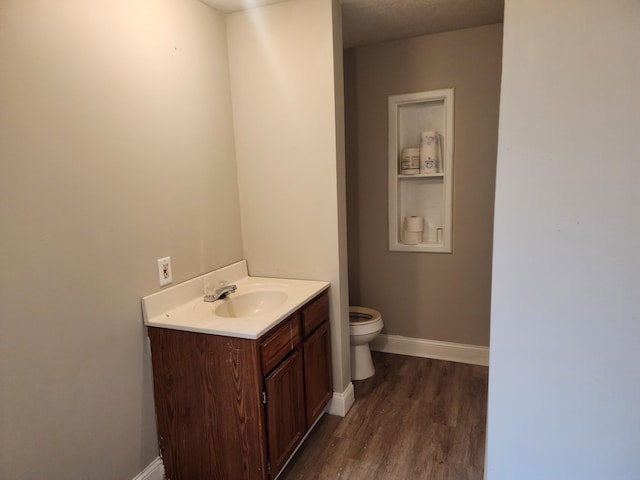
x,y
285,410
317,371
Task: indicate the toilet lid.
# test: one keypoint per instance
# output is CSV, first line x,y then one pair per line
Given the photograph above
x,y
363,315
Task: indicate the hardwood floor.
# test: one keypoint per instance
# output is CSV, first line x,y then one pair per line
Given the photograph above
x,y
416,418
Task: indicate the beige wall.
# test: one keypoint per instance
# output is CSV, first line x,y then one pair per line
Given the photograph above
x,y
116,149
285,106
425,295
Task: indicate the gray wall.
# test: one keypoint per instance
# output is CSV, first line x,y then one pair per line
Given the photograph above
x,y
564,388
425,295
116,149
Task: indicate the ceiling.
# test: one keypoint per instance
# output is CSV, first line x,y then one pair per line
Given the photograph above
x,y
372,21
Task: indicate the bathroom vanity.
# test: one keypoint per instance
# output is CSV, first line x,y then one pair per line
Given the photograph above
x,y
236,406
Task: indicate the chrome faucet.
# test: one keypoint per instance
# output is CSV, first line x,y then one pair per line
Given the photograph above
x,y
220,293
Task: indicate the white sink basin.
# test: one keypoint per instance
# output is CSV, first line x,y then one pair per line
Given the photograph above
x,y
249,304
258,304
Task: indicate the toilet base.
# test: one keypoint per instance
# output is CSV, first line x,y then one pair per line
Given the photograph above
x,y
361,362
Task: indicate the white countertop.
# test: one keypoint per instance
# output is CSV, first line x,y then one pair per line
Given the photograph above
x,y
182,307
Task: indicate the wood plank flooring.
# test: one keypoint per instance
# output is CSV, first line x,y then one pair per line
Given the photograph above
x,y
416,418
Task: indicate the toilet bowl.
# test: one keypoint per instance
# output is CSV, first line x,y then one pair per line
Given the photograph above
x,y
364,325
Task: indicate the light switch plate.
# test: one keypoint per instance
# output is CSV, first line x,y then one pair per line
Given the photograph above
x,y
164,271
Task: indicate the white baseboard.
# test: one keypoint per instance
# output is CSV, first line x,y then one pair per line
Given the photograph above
x,y
342,402
154,471
418,347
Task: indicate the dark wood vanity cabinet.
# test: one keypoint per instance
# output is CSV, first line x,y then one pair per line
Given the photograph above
x,y
232,408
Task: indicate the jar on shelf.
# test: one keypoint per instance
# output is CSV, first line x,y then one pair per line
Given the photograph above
x,y
410,161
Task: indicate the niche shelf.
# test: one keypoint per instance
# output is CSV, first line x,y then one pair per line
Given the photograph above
x,y
427,195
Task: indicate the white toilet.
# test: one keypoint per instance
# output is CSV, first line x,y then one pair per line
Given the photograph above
x,y
364,325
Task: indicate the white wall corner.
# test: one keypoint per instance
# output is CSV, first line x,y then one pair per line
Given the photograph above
x,y
419,347
154,471
341,403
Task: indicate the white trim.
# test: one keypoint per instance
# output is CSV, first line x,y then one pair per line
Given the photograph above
x,y
154,471
341,402
420,347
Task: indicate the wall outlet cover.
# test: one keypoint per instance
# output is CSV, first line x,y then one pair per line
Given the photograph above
x,y
164,271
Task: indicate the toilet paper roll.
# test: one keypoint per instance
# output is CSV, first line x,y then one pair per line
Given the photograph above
x,y
411,238
414,223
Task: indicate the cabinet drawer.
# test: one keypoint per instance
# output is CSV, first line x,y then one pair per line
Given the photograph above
x,y
316,313
279,343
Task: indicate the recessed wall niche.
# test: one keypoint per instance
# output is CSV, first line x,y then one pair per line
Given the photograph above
x,y
421,171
